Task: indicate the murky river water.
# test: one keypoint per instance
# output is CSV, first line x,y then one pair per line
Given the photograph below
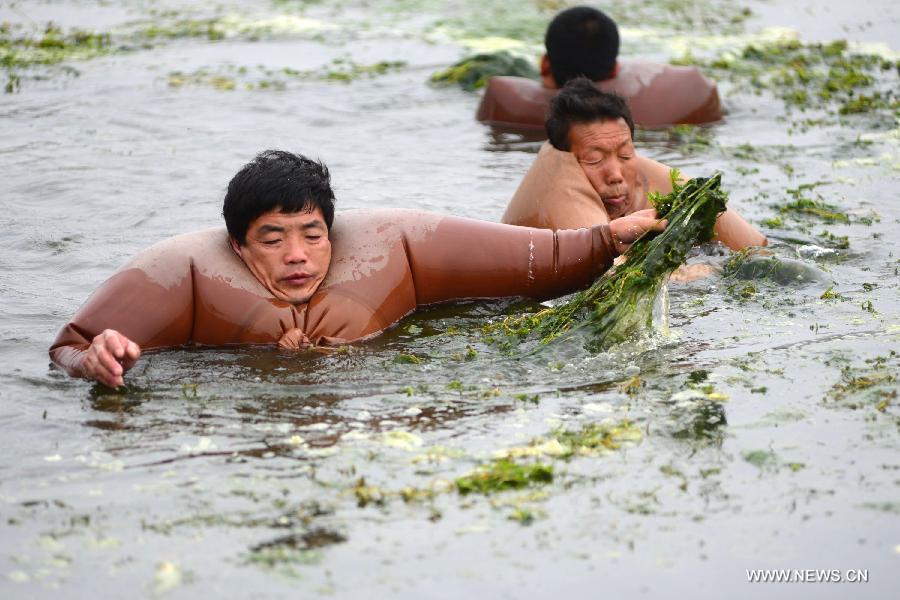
x,y
764,430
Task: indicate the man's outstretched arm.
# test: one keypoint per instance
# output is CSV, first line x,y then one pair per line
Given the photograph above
x,y
465,258
149,303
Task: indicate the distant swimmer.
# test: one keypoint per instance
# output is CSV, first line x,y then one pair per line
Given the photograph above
x,y
584,42
589,171
286,270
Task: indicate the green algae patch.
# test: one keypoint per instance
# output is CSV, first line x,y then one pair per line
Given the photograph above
x,y
591,439
503,475
231,77
345,70
369,494
687,139
211,29
620,303
873,384
812,207
473,72
819,76
409,359
202,78
762,459
229,27
766,460
293,549
597,437
51,46
830,294
20,51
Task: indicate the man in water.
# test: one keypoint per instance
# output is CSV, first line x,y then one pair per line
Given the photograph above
x,y
589,172
289,271
584,42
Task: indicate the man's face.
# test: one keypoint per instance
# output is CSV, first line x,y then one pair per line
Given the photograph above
x,y
606,154
289,253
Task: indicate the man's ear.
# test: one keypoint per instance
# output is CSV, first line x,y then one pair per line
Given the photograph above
x,y
615,71
547,79
235,246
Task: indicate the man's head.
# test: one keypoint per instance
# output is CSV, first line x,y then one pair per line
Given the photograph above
x,y
278,210
597,128
580,42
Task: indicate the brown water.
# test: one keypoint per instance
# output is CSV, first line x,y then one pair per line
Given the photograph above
x,y
237,473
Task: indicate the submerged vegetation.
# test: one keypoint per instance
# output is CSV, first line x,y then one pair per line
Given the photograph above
x,y
621,301
830,77
753,264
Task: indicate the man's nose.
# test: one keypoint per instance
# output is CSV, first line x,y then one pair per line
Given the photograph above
x,y
614,172
296,253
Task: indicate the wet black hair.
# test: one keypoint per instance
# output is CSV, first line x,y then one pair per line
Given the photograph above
x,y
581,101
582,42
280,180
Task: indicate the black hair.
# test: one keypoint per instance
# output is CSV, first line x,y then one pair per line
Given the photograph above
x,y
276,179
581,101
582,42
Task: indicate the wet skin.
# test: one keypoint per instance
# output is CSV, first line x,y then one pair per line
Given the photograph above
x,y
605,151
289,253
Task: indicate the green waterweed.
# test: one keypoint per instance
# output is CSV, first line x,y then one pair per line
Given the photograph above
x,y
621,301
473,72
821,76
502,475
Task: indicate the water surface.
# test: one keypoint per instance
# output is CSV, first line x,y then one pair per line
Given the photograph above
x,y
768,418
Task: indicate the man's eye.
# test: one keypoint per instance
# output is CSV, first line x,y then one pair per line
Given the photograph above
x,y
271,242
314,238
626,156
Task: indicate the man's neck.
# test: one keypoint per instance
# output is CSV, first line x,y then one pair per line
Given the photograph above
x,y
549,82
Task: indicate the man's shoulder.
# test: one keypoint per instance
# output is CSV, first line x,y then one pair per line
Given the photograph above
x,y
380,222
690,96
204,240
646,71
514,101
169,257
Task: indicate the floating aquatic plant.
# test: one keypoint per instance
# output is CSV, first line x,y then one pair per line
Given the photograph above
x,y
20,50
874,383
826,76
504,475
621,301
231,77
473,72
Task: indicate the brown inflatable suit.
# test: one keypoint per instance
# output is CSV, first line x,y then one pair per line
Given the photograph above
x,y
193,288
658,95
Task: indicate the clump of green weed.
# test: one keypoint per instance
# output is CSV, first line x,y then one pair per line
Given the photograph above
x,y
473,72
821,76
621,301
503,475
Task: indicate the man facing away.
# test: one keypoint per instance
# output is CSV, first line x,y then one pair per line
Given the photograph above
x,y
584,42
288,271
589,172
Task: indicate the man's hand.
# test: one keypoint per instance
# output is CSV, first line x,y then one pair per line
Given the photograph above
x,y
625,230
109,356
294,339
